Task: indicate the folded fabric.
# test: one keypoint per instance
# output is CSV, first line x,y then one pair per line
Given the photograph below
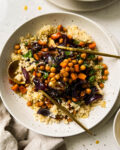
x,y
14,136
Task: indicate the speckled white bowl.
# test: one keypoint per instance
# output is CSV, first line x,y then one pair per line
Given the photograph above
x,y
17,106
116,128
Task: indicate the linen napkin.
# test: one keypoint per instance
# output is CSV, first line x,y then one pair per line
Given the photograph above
x,y
14,136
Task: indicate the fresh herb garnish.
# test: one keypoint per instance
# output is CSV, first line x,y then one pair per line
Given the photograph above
x,y
91,56
76,42
26,43
45,74
67,53
91,79
92,72
102,81
100,67
53,65
86,64
28,54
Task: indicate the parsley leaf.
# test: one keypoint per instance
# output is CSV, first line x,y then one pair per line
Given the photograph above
x,y
76,42
91,56
91,79
67,53
28,54
45,74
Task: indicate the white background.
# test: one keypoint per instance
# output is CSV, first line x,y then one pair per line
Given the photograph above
x,y
12,15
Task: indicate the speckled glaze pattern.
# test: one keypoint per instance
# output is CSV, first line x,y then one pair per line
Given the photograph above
x,y
17,106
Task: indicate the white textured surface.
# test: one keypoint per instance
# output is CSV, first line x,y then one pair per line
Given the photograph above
x,y
12,15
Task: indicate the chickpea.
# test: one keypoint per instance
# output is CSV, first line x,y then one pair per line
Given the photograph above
x,y
82,67
106,72
105,77
44,49
47,68
88,91
38,74
66,60
82,93
66,74
104,66
62,71
57,76
101,85
19,51
60,27
69,36
52,74
83,55
65,79
17,46
29,103
67,69
70,64
74,99
74,61
53,69
64,29
80,61
42,67
39,104
99,58
61,40
69,59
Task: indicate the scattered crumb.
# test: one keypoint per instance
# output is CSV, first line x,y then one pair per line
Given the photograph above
x,y
39,7
97,142
25,7
103,104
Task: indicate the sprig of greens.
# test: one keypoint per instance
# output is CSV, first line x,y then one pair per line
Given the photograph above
x,y
28,54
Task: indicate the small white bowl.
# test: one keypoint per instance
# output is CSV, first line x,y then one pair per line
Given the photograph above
x,y
116,128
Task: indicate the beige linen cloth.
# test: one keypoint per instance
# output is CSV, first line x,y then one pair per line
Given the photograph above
x,y
14,136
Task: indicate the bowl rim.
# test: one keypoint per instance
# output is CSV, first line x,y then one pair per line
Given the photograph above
x,y
53,13
114,124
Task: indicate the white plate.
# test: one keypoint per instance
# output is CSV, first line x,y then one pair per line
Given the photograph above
x,y
116,128
76,5
17,106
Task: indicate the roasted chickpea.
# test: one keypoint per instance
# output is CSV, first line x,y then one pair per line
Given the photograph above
x,y
106,72
69,59
66,74
99,58
52,75
67,69
61,40
47,68
80,61
57,76
101,85
88,91
82,67
53,69
70,64
17,46
74,61
82,93
42,67
29,103
60,27
104,66
105,77
72,69
65,79
38,74
74,99
83,55
66,60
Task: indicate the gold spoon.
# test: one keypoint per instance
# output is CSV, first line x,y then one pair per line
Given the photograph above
x,y
66,112
11,71
87,51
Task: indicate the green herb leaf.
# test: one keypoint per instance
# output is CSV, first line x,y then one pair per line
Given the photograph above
x,y
92,72
85,63
102,81
45,74
91,56
91,79
100,67
53,65
67,53
26,43
28,54
76,42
